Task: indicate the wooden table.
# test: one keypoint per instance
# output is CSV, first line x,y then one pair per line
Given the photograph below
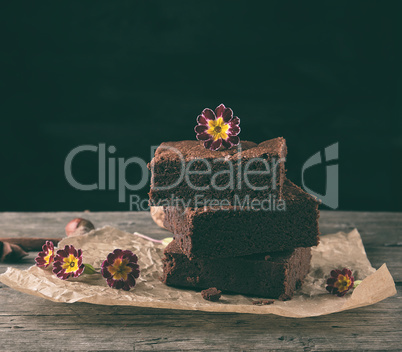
x,y
31,324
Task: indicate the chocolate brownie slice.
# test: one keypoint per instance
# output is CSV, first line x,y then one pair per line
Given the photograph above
x,y
274,276
240,230
187,173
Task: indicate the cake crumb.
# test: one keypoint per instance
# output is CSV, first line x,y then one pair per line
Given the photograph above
x,y
284,297
211,294
263,302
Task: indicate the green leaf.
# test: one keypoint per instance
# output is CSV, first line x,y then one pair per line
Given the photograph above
x,y
357,283
89,269
167,240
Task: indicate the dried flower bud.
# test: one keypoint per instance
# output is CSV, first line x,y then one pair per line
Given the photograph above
x,y
79,227
10,252
212,294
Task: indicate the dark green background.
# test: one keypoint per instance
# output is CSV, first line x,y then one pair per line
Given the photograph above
x,y
133,74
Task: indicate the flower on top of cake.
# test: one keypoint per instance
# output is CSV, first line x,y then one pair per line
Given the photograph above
x,y
218,128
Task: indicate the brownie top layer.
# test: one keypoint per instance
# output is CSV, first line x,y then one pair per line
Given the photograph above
x,y
293,193
195,149
275,257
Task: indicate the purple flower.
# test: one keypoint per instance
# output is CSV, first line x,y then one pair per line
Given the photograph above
x,y
68,262
45,258
340,282
218,129
120,269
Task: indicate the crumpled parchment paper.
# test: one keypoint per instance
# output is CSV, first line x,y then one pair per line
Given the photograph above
x,y
335,251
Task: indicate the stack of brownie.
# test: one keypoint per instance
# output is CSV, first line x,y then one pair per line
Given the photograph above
x,y
238,224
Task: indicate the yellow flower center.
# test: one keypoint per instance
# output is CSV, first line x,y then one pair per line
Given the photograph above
x,y
343,283
70,263
218,129
119,269
48,257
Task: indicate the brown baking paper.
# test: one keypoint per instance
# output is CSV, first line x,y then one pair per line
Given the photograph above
x,y
335,251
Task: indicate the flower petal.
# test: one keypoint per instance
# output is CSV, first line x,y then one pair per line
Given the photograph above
x,y
331,281
234,122
226,143
234,131
126,254
119,284
347,272
111,257
234,140
62,253
204,136
135,270
57,263
208,143
118,253
131,280
80,270
227,115
201,120
216,144
106,273
220,110
208,114
73,251
200,128
111,282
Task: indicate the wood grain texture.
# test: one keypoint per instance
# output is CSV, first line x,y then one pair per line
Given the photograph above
x,y
29,323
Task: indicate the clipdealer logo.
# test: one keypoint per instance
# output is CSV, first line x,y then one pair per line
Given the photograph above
x,y
331,196
112,174
238,175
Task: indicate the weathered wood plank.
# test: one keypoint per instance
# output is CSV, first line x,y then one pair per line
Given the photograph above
x,y
375,327
32,323
52,224
120,328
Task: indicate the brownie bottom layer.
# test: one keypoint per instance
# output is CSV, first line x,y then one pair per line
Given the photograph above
x,y
274,275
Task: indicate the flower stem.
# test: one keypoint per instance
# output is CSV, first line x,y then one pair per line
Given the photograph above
x,y
90,270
